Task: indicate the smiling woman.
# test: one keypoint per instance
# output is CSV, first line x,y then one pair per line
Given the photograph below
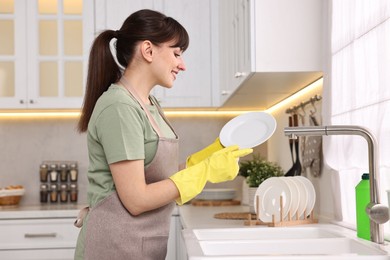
x,y
133,149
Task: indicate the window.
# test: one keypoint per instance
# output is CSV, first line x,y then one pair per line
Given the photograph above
x,y
359,91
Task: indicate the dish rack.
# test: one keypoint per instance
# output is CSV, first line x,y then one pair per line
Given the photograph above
x,y
282,222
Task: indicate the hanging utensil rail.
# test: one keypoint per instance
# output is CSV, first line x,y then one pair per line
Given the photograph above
x,y
294,109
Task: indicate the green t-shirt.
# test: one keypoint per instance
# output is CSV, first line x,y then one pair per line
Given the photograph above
x,y
119,130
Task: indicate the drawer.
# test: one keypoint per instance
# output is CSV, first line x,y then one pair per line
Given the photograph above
x,y
38,233
38,254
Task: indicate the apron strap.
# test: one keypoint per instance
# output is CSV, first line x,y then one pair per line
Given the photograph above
x,y
142,104
81,216
161,112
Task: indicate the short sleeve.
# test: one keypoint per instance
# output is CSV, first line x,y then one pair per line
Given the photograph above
x,y
120,130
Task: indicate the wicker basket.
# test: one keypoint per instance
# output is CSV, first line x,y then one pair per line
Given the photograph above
x,y
10,197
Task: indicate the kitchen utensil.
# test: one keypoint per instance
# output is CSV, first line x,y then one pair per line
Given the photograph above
x,y
291,141
295,168
248,130
312,153
298,166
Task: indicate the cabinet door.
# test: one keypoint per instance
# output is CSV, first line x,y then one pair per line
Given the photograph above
x,y
37,234
13,78
44,64
192,88
59,36
38,254
228,39
171,253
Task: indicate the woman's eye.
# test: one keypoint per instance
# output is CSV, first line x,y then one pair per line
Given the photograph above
x,y
177,55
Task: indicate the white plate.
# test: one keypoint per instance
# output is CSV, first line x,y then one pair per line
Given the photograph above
x,y
295,195
248,130
303,194
269,193
217,194
311,194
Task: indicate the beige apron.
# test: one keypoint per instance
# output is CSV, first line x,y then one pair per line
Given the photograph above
x,y
113,233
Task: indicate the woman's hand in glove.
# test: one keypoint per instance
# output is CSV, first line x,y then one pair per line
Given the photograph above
x,y
224,163
219,167
204,153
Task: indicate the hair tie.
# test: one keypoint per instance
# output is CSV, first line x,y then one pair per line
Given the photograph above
x,y
112,46
116,34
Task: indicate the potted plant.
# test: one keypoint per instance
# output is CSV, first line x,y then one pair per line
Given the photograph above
x,y
256,171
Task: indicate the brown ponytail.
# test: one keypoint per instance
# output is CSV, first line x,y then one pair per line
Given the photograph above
x,y
102,71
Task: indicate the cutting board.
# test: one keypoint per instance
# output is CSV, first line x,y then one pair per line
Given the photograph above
x,y
235,215
212,203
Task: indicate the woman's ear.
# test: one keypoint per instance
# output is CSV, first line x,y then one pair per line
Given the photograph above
x,y
147,50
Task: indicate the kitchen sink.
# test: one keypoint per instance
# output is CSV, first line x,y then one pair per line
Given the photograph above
x,y
308,247
264,233
318,241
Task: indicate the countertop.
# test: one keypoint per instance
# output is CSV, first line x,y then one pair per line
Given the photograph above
x,y
203,217
198,217
45,211
40,211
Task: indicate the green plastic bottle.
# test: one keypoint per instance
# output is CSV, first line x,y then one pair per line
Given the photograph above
x,y
362,191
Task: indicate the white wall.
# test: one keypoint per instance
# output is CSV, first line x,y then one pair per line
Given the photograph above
x,y
25,143
279,151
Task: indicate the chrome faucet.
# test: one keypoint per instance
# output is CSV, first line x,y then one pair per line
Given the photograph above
x,y
377,213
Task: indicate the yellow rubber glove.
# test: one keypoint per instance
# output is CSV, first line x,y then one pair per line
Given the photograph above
x,y
219,167
204,153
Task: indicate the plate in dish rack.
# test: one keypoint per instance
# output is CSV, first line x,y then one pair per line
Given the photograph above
x,y
269,193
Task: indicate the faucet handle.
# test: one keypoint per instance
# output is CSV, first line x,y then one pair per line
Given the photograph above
x,y
378,213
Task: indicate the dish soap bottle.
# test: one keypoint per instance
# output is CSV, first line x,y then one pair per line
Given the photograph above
x,y
362,191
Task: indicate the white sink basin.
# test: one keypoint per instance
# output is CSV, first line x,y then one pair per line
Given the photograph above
x,y
312,247
264,233
277,243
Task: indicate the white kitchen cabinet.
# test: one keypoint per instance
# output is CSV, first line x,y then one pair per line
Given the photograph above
x,y
193,87
269,49
47,232
38,238
234,51
43,58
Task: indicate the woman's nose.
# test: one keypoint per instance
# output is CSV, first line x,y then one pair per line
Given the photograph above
x,y
182,65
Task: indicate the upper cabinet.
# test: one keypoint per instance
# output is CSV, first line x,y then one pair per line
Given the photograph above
x,y
268,49
44,52
193,87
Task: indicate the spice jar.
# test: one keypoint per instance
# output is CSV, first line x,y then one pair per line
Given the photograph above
x,y
64,193
63,172
73,172
44,193
73,192
53,174
53,193
43,172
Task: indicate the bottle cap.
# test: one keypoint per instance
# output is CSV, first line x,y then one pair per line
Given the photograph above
x,y
365,176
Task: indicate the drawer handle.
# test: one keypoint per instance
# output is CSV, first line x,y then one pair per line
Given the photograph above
x,y
35,235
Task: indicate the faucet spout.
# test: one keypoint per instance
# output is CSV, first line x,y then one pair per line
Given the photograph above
x,y
378,214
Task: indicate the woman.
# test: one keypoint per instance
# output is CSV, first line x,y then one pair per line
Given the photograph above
x,y
133,171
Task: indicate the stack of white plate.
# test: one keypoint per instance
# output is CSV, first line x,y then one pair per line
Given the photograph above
x,y
297,193
217,194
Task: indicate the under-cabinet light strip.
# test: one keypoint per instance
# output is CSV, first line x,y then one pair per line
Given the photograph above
x,y
179,113
316,85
